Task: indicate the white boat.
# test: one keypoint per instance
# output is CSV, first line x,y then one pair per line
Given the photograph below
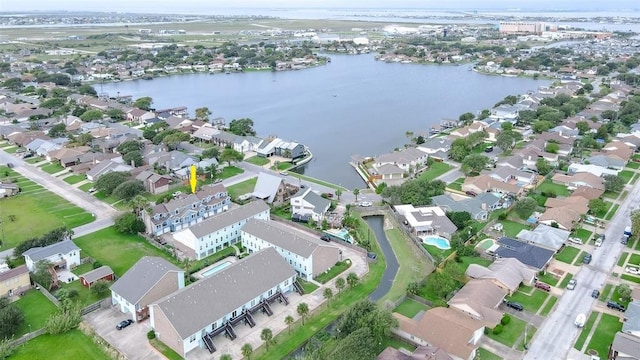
x,y
580,319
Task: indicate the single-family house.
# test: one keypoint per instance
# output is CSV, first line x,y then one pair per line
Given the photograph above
x,y
271,189
485,183
579,179
193,316
576,203
479,207
146,282
447,329
625,347
509,175
514,162
566,217
426,220
154,183
307,203
631,323
588,193
279,147
467,130
244,144
508,273
171,161
420,353
140,116
62,255
8,189
14,281
607,161
405,159
545,236
388,172
185,211
597,170
107,166
308,255
437,147
535,257
479,299
217,232
102,273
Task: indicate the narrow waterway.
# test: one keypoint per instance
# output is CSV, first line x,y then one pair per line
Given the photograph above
x,y
376,223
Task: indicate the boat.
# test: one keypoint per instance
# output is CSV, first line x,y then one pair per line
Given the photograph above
x,y
147,77
580,319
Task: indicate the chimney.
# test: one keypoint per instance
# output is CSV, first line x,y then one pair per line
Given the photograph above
x,y
483,206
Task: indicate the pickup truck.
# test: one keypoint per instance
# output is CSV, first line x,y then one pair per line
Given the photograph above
x,y
580,320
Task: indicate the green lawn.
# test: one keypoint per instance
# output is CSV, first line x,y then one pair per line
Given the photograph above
x,y
74,179
567,254
241,188
604,295
82,269
213,258
633,165
558,189
549,278
52,168
71,345
85,297
410,308
413,267
436,169
512,228
634,279
634,259
610,195
397,343
585,331
117,250
635,178
603,336
257,160
37,309
602,213
334,271
540,199
531,302
34,202
623,258
579,258
86,186
583,235
531,332
511,332
626,175
436,253
308,287
612,212
485,354
229,171
548,306
565,281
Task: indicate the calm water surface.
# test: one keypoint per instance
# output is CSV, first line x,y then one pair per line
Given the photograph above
x,y
353,105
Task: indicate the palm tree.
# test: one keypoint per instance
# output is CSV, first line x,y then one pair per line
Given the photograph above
x,y
267,337
225,357
356,192
327,293
247,350
352,279
138,203
187,264
303,311
338,193
340,284
289,321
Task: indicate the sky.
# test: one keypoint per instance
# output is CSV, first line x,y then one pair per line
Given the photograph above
x,y
209,6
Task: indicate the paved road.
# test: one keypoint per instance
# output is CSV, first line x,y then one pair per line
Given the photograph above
x,y
103,213
557,335
377,228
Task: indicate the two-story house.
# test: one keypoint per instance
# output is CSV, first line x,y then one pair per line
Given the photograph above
x,y
62,255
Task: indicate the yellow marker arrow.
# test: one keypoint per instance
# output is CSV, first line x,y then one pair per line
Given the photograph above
x,y
193,180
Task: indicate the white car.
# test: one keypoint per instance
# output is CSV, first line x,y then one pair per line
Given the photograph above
x,y
572,284
632,270
366,204
176,194
575,240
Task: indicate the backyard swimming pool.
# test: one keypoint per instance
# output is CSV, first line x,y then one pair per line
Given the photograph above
x,y
215,269
437,241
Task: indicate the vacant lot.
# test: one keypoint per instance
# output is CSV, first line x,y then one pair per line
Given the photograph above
x,y
71,345
37,309
548,186
245,187
436,169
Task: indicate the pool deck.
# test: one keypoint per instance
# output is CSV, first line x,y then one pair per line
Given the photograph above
x,y
230,259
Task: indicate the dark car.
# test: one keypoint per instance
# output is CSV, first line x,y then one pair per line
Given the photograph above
x,y
595,293
325,238
586,259
123,324
614,305
624,240
488,149
515,305
10,165
543,286
471,193
602,237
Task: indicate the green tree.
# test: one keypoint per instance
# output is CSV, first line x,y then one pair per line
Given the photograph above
x,y
68,318
128,189
41,275
303,311
460,148
552,148
267,336
356,192
474,163
115,114
635,223
624,290
506,126
543,166
352,280
210,153
247,351
174,139
597,206
11,318
340,284
613,183
133,158
466,118
242,127
91,115
358,345
6,348
289,321
230,155
507,139
84,139
100,288
485,113
143,103
203,113
327,293
541,126
583,127
525,207
87,90
138,203
129,223
226,357
459,218
14,84
338,193
58,130
53,103
413,288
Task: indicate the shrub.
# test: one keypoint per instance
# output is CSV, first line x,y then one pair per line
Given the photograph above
x,y
96,264
497,330
151,335
502,216
505,319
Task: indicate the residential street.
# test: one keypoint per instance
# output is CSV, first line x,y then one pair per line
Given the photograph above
x,y
557,335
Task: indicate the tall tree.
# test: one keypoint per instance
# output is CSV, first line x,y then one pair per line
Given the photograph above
x,y
474,163
340,284
613,183
356,192
143,103
338,193
247,351
203,113
289,321
525,207
352,279
303,310
230,155
267,336
507,139
327,293
242,127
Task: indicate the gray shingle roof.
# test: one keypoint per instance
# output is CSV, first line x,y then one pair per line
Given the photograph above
x,y
224,219
97,274
40,253
283,236
632,324
528,254
142,277
626,344
267,186
196,306
546,236
319,203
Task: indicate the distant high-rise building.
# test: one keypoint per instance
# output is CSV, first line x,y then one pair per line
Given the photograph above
x,y
521,27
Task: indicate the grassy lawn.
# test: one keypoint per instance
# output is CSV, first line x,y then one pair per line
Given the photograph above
x,y
610,195
603,336
479,149
633,165
511,332
85,297
531,302
436,253
74,179
34,202
578,260
602,213
485,354
52,168
558,189
635,179
616,297
531,331
626,175
457,185
623,258
334,271
585,331
308,287
212,259
37,309
410,308
540,199
624,195
436,169
612,212
82,269
567,254
548,278
634,259
165,350
86,187
242,188
117,250
566,280
548,306
71,345
512,228
257,160
229,171
583,235
634,279
412,267
319,182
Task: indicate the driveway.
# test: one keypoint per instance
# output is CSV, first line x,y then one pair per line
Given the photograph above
x,y
131,341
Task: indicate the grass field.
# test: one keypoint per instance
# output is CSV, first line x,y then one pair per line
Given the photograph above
x,y
531,302
633,165
634,279
549,278
334,271
410,308
603,336
242,188
558,189
566,280
626,175
511,332
568,254
585,331
583,234
396,343
117,250
456,185
602,213
52,168
413,267
74,179
71,345
257,160
34,202
548,306
436,169
308,287
37,309
634,259
610,195
229,171
512,228
165,350
604,294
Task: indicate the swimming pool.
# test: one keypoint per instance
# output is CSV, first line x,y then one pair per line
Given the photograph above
x,y
215,269
437,241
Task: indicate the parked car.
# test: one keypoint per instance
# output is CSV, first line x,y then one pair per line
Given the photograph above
x,y
572,284
176,194
624,240
471,193
123,324
575,240
595,293
325,238
10,165
329,195
632,270
598,242
366,204
580,320
543,286
488,149
615,306
515,305
92,190
284,173
586,259
302,186
602,237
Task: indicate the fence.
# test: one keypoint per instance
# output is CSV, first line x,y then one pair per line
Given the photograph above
x,y
416,240
26,337
95,306
50,296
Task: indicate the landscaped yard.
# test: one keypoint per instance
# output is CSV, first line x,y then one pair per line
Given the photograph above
x,y
634,279
52,168
334,271
74,179
634,259
257,160
308,287
81,269
37,309
117,250
579,258
71,345
604,295
511,332
530,302
229,171
396,343
616,297
565,281
410,308
512,228
603,336
626,175
548,278
435,169
456,185
241,188
548,186
633,165
602,213
623,258
585,331
85,297
34,202
168,352
567,254
583,235
610,195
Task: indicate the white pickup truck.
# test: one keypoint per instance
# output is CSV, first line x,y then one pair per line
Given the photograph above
x,y
580,319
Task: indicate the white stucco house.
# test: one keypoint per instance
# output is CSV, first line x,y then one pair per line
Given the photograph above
x,y
62,255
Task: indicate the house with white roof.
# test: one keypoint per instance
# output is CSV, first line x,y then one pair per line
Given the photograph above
x,y
307,203
63,255
279,147
427,220
545,236
271,189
